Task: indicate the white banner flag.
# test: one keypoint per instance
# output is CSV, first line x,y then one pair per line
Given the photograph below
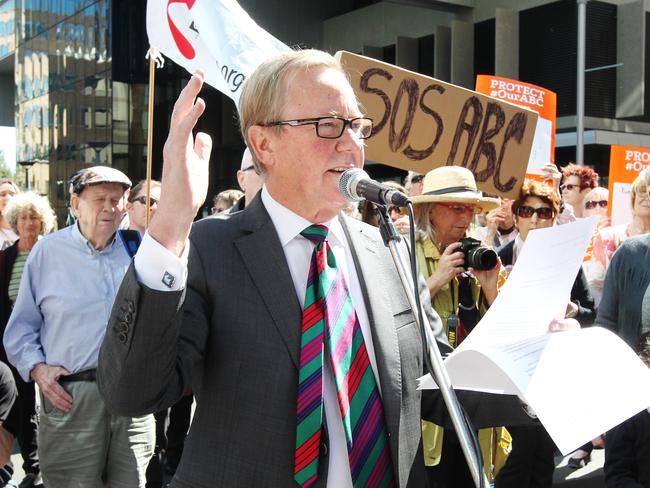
x,y
217,36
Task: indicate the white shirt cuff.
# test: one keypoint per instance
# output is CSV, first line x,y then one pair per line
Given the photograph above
x,y
158,268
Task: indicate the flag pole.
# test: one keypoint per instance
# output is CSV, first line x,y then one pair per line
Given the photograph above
x,y
154,58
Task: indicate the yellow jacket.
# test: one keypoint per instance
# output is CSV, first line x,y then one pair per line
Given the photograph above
x,y
495,442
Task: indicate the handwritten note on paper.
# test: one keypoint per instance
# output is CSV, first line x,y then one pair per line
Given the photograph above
x,y
511,351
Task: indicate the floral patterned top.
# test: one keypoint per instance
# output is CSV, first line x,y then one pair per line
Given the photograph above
x,y
605,244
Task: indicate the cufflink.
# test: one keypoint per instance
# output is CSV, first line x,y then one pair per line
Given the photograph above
x,y
168,279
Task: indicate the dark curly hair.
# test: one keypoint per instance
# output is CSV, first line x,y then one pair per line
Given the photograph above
x,y
532,188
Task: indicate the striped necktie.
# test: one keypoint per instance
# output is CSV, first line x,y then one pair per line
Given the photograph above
x,y
330,323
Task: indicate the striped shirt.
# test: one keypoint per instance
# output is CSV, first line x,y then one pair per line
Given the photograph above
x,y
16,274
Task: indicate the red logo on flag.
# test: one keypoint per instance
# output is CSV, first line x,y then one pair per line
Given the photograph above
x,y
181,41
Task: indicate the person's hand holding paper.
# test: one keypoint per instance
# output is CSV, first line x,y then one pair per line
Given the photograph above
x,y
512,349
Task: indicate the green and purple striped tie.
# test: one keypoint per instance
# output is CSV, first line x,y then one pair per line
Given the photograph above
x,y
330,322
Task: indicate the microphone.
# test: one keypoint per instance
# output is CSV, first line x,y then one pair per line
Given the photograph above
x,y
355,185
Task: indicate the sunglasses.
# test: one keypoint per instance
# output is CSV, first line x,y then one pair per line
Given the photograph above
x,y
394,208
143,200
593,204
569,186
460,208
527,212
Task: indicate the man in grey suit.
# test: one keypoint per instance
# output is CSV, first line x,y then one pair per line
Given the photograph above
x,y
228,323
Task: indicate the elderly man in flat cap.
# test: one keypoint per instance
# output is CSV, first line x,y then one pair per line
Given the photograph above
x,y
54,334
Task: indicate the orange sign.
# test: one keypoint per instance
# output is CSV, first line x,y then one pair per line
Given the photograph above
x,y
535,98
625,164
422,123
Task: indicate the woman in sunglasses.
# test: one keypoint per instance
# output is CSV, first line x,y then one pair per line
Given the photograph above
x,y
531,462
578,181
443,213
595,203
136,204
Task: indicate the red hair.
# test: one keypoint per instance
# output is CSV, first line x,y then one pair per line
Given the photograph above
x,y
588,177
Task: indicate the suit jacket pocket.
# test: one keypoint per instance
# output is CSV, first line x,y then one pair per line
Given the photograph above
x,y
403,319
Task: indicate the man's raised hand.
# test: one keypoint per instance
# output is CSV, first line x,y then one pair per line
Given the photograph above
x,y
185,170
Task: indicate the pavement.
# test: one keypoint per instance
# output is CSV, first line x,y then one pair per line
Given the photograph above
x,y
591,476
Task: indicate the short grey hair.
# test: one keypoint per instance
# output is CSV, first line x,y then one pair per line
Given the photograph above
x,y
30,202
265,92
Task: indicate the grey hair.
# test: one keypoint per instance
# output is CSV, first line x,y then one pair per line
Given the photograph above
x,y
265,92
33,203
640,184
423,226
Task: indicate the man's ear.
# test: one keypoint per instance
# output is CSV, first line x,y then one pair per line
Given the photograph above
x,y
74,203
260,141
240,179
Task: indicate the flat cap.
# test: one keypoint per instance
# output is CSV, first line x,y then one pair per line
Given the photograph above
x,y
97,175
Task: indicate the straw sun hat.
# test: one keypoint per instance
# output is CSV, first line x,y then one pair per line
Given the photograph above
x,y
453,184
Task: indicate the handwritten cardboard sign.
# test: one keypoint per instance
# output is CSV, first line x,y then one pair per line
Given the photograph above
x,y
422,123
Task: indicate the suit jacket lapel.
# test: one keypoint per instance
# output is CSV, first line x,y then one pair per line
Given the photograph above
x,y
374,270
264,260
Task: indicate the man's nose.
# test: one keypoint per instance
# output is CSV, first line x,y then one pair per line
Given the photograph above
x,y
349,141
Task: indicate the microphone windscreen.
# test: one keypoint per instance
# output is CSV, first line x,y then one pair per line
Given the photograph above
x,y
348,183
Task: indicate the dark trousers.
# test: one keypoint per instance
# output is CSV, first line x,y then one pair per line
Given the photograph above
x,y
452,471
170,439
531,462
179,424
22,422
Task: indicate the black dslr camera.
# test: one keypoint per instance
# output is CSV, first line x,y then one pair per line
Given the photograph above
x,y
477,257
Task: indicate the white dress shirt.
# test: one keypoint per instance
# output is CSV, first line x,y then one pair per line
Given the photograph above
x,y
155,265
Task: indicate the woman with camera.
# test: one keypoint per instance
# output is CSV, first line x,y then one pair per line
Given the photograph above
x,y
443,213
463,280
531,462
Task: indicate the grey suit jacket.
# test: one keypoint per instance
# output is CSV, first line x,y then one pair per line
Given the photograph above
x,y
233,336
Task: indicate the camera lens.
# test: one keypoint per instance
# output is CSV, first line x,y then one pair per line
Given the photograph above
x,y
481,258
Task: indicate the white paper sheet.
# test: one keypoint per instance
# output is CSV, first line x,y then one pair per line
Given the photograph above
x,y
511,351
540,153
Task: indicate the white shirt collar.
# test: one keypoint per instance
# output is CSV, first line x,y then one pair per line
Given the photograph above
x,y
289,224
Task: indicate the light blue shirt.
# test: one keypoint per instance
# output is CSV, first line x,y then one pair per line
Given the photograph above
x,y
64,301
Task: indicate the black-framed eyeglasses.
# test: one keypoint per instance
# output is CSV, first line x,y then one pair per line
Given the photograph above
x,y
527,212
332,127
143,200
591,204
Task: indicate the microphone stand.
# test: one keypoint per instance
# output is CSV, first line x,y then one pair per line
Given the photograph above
x,y
391,239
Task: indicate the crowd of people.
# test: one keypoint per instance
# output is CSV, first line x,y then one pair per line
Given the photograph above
x,y
279,318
